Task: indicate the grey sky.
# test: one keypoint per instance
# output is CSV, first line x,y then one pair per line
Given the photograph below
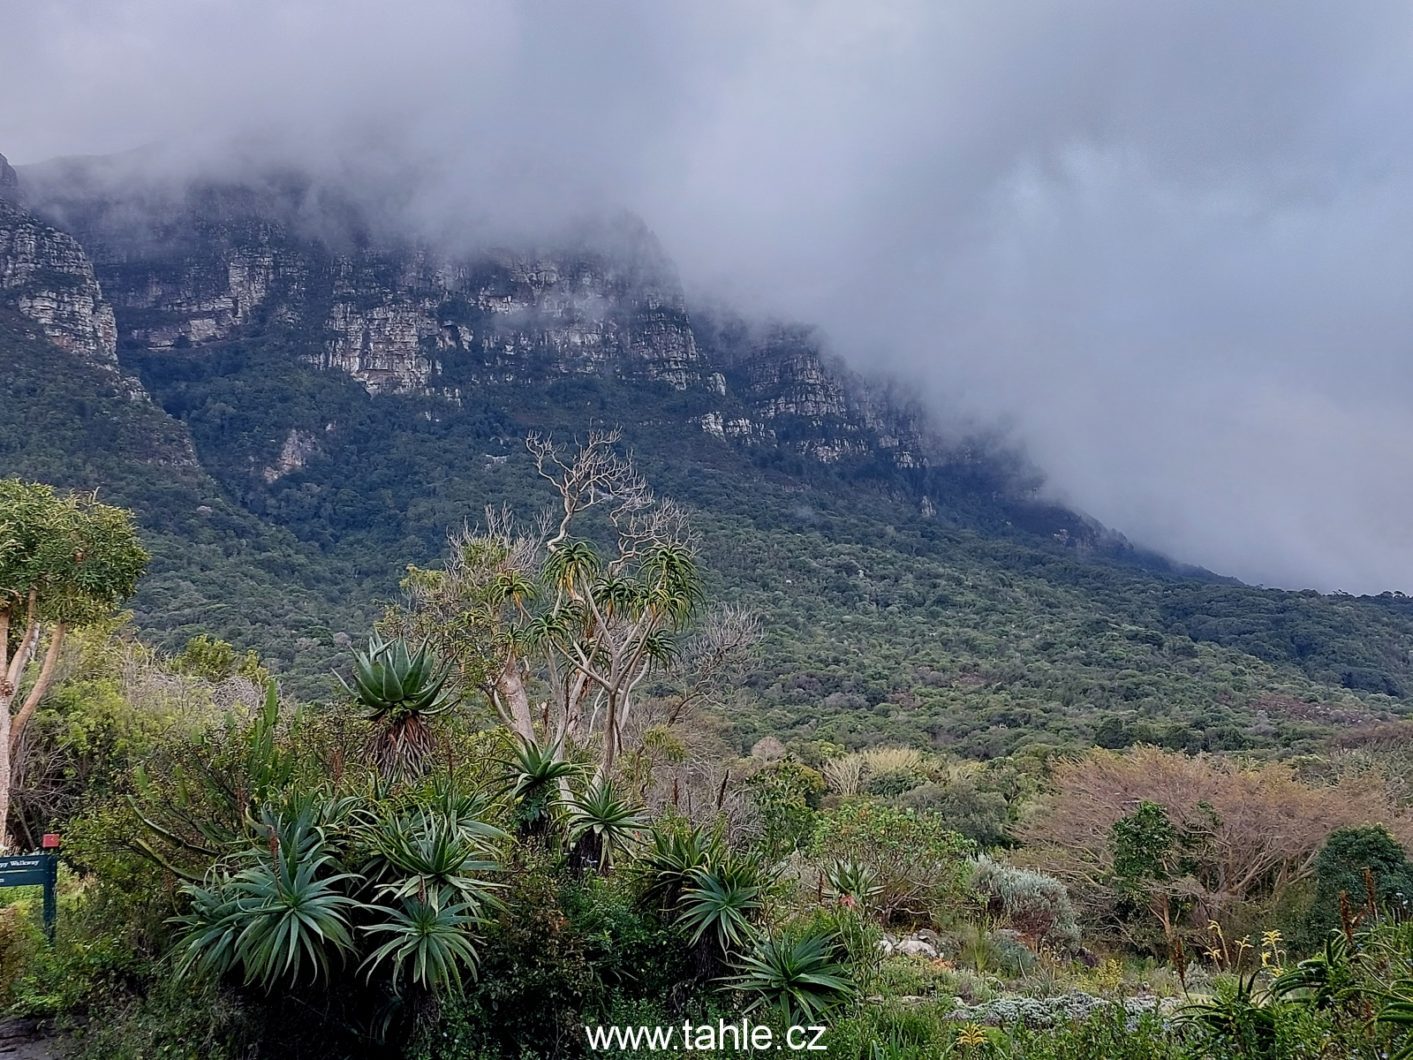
x,y
1169,244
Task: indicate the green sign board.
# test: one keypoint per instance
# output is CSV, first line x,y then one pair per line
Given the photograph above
x,y
24,869
34,870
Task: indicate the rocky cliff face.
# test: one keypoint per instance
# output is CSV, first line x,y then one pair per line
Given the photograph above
x,y
423,322
793,394
398,318
188,267
9,180
45,275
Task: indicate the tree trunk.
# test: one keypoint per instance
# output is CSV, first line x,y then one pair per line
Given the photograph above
x,y
7,696
511,689
610,738
41,686
12,726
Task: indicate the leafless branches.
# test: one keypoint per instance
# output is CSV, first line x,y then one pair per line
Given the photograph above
x,y
561,637
592,473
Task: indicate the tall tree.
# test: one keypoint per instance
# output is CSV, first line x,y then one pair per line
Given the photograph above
x,y
560,632
66,560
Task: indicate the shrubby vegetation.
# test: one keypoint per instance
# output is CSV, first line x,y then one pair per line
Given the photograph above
x,y
955,631
519,812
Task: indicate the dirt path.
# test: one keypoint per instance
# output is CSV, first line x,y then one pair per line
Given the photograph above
x,y
22,1040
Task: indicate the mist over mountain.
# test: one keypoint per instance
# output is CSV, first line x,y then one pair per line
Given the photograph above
x,y
1163,248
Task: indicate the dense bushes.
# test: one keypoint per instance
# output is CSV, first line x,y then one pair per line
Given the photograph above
x,y
401,906
1155,845
1036,905
1366,865
463,916
892,627
915,859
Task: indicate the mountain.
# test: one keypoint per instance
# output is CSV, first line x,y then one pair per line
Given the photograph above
x,y
299,398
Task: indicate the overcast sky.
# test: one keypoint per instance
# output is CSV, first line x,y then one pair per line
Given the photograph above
x,y
1170,245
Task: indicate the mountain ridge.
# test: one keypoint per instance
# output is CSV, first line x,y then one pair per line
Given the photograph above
x,y
347,401
408,318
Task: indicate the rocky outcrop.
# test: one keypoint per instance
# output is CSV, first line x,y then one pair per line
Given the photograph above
x,y
298,447
9,181
792,394
45,275
199,301
399,318
211,261
430,323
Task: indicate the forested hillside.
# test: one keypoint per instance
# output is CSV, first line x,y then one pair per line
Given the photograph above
x,y
913,588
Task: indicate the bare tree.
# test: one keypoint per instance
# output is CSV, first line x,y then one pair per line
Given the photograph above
x,y
1251,829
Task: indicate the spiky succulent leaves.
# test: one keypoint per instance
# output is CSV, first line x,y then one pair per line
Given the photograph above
x,y
428,943
400,689
665,865
852,883
282,918
800,979
1323,980
1396,1012
674,582
533,786
207,931
618,596
436,858
515,587
601,823
722,901
1234,1012
571,563
390,678
469,809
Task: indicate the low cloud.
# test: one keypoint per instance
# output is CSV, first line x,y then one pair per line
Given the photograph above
x,y
1166,244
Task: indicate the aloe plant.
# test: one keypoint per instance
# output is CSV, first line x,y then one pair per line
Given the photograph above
x,y
666,863
436,858
535,774
723,900
428,943
400,689
852,883
798,978
602,824
280,917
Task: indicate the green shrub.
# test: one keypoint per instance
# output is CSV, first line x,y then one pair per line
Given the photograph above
x,y
538,976
1110,1032
1036,905
917,861
982,816
19,940
1340,867
999,951
786,794
891,1031
634,953
902,975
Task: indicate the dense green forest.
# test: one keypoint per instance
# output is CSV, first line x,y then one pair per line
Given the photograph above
x,y
957,630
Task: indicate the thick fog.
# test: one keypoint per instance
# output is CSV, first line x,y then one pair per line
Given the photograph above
x,y
1168,245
